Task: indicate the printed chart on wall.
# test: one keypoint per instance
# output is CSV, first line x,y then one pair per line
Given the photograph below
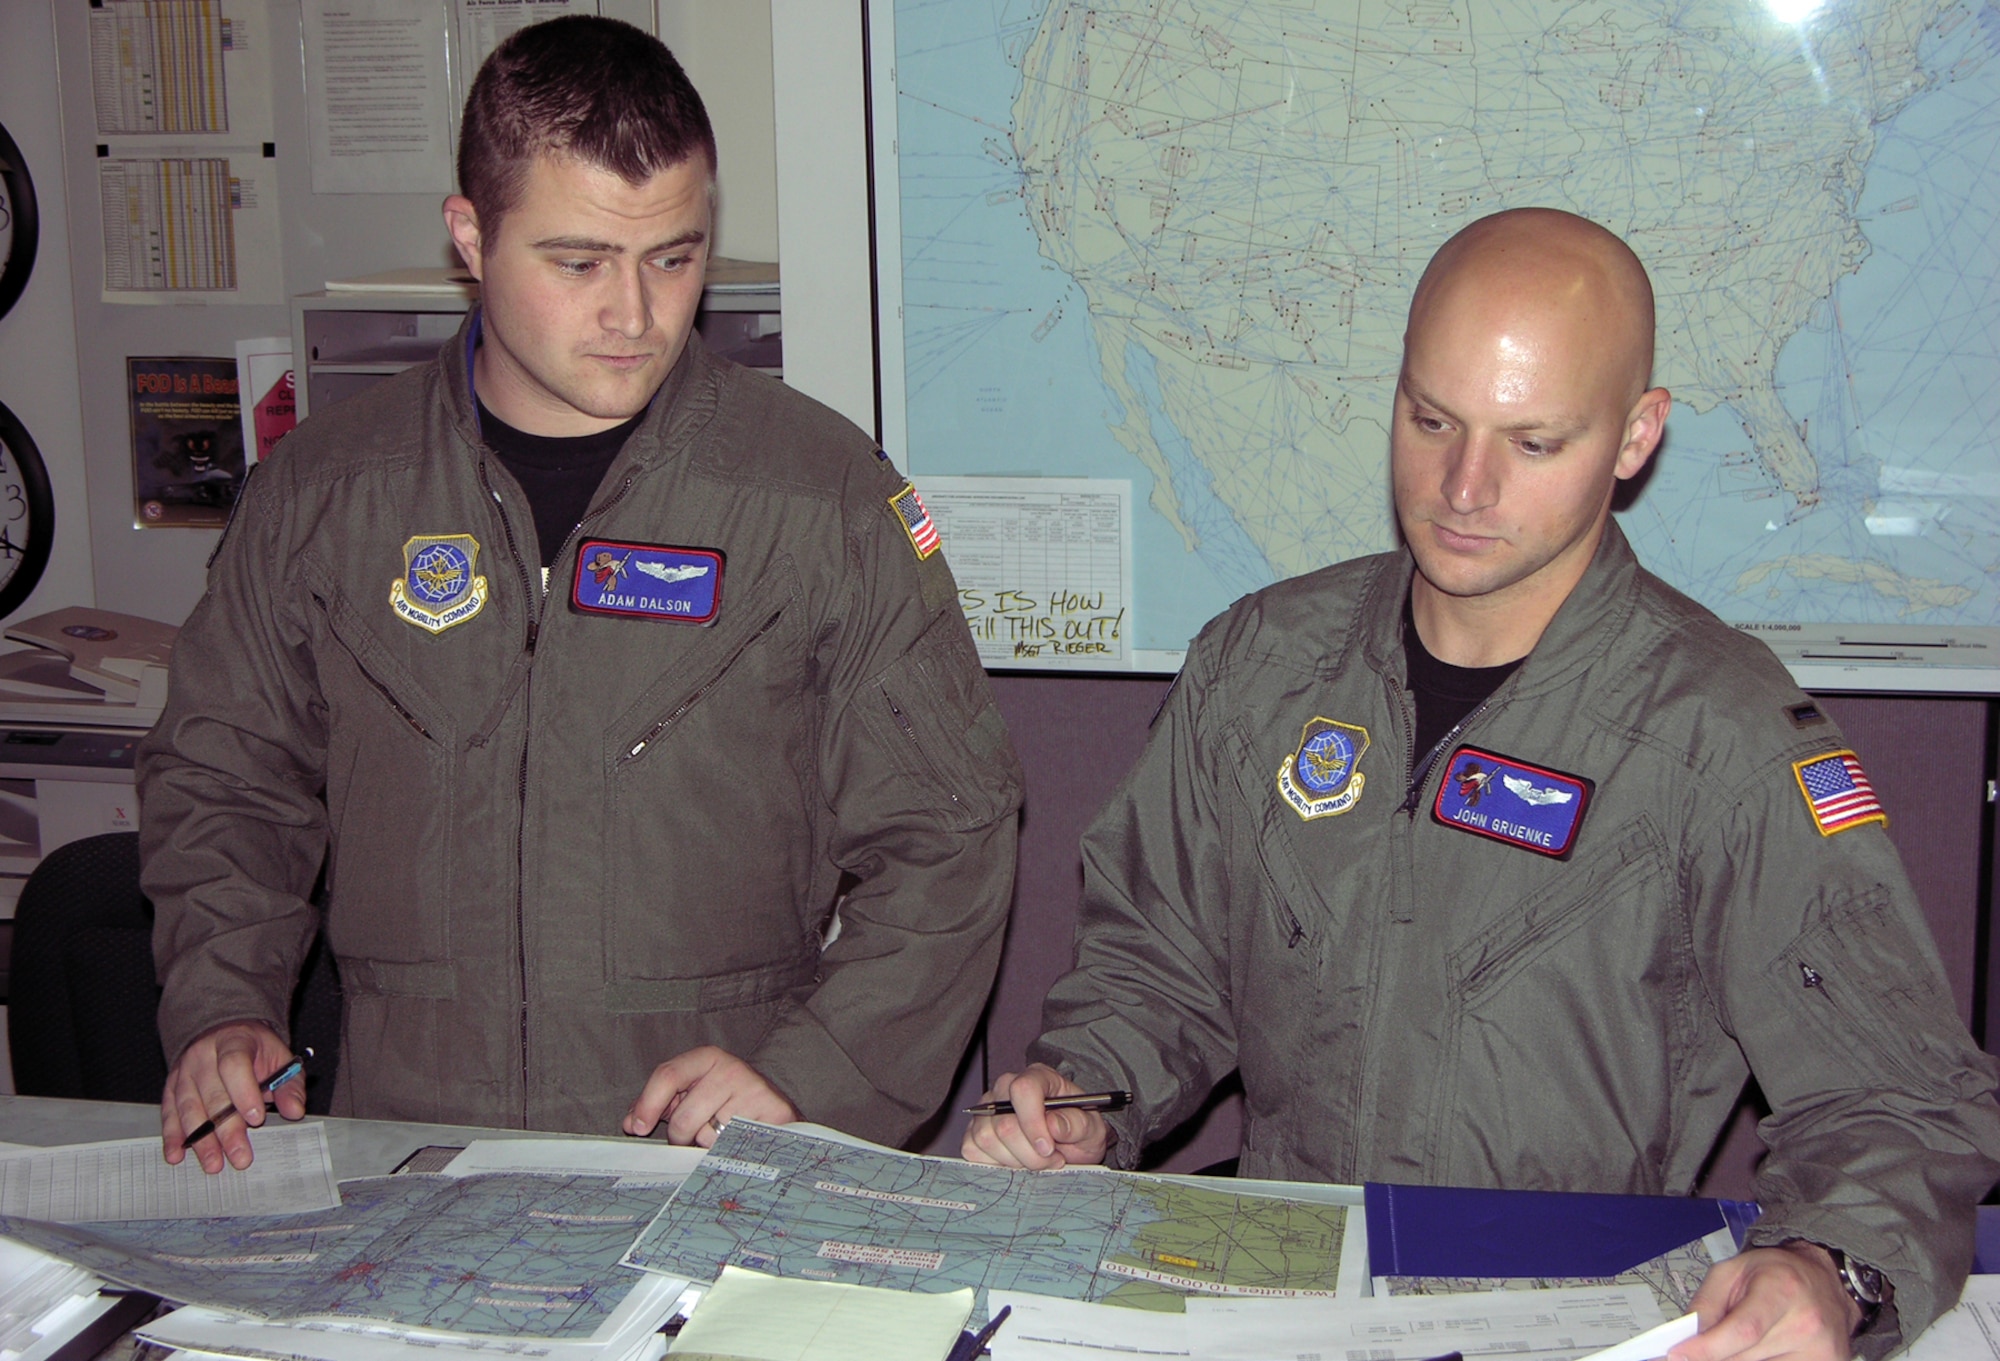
x,y
186,161
1171,245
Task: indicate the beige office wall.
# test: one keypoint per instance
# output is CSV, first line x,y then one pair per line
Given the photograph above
x,y
823,208
38,368
725,45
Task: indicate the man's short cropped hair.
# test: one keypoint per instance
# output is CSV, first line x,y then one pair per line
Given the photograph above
x,y
601,91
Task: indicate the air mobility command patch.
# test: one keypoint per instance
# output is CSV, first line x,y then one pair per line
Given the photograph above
x,y
439,588
1529,806
1837,792
647,581
1322,778
909,508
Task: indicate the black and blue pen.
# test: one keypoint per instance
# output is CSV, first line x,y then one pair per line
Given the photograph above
x,y
268,1086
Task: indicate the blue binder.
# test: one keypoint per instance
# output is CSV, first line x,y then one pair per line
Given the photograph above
x,y
1448,1231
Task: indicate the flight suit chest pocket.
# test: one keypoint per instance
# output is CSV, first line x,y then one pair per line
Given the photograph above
x,y
1628,876
391,791
1552,972
1297,913
707,832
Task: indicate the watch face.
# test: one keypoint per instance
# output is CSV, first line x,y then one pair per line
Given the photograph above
x,y
20,226
27,513
1864,1282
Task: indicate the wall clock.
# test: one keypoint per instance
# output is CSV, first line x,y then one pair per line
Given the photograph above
x,y
20,224
27,513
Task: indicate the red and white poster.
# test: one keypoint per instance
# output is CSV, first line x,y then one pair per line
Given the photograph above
x,y
264,376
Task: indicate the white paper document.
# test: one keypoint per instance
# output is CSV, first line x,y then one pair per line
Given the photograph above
x,y
484,24
128,1179
1512,1325
1971,1332
1044,566
1653,1343
632,1161
189,224
1045,1329
1524,1325
181,68
378,95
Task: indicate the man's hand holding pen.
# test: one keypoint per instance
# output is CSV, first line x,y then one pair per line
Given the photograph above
x,y
1033,1136
219,1081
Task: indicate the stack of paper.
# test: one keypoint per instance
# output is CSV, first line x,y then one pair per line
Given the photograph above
x,y
632,1333
126,1179
1590,1323
1971,1332
43,1301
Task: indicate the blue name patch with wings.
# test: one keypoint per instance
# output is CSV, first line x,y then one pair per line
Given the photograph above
x,y
1523,805
648,581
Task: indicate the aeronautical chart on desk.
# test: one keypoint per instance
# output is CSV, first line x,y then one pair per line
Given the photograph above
x,y
500,1254
792,1204
1170,245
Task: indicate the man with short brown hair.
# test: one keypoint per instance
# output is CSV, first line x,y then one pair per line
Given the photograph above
x,y
596,670
1495,861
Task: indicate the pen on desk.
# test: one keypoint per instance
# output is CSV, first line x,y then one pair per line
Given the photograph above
x,y
985,1335
268,1086
973,1345
1082,1101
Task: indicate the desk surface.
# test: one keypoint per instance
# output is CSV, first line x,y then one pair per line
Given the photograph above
x,y
360,1148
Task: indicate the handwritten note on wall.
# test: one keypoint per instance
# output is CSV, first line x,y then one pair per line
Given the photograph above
x,y
1044,566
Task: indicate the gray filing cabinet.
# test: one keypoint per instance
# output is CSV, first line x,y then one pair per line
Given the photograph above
x,y
346,340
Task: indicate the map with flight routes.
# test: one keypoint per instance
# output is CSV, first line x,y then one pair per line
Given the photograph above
x,y
1673,1277
791,1204
502,1254
1174,241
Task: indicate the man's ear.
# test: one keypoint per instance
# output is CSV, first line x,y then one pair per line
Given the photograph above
x,y
461,219
1644,428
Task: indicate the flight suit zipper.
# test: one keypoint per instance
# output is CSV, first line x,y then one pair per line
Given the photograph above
x,y
659,729
535,602
577,528
1366,1078
917,746
382,689
1420,775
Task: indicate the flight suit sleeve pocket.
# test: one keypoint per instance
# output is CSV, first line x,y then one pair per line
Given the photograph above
x,y
1857,984
933,710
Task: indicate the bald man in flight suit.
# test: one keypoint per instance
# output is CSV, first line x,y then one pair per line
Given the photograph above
x,y
1495,861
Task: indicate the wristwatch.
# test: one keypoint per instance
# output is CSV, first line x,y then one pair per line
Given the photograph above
x,y
1864,1284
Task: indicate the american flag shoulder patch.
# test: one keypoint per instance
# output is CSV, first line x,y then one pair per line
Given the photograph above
x,y
909,508
1837,792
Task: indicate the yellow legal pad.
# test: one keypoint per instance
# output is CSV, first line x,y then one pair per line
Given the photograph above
x,y
748,1316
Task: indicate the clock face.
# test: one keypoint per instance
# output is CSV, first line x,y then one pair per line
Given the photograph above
x,y
27,513
20,224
